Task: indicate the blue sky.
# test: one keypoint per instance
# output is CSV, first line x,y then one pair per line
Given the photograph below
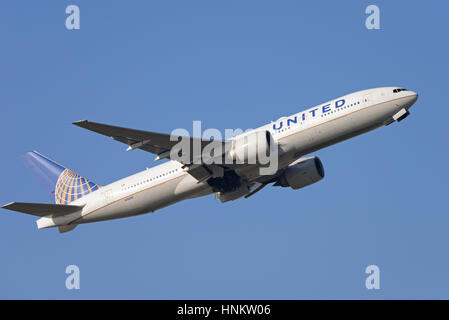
x,y
159,65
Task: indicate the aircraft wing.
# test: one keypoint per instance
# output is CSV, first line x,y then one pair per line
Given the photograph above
x,y
159,144
42,209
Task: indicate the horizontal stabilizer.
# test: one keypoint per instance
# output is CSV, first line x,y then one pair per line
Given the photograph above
x,y
42,209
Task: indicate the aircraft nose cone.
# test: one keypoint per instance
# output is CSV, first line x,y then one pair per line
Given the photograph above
x,y
412,98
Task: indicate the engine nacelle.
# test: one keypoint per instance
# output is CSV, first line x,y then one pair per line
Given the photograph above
x,y
249,148
301,173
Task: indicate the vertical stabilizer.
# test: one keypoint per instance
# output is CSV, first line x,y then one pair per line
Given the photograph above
x,y
63,184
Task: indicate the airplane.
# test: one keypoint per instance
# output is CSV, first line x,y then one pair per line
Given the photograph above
x,y
78,200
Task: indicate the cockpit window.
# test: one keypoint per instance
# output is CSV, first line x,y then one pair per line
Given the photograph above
x,y
399,90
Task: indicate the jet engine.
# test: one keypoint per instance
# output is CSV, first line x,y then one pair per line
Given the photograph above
x,y
248,148
301,173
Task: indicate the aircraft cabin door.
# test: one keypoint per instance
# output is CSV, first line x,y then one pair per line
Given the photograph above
x,y
366,99
107,195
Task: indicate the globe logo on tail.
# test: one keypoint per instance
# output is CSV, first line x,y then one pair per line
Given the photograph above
x,y
71,186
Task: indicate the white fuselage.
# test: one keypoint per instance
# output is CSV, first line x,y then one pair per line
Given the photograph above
x,y
297,135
